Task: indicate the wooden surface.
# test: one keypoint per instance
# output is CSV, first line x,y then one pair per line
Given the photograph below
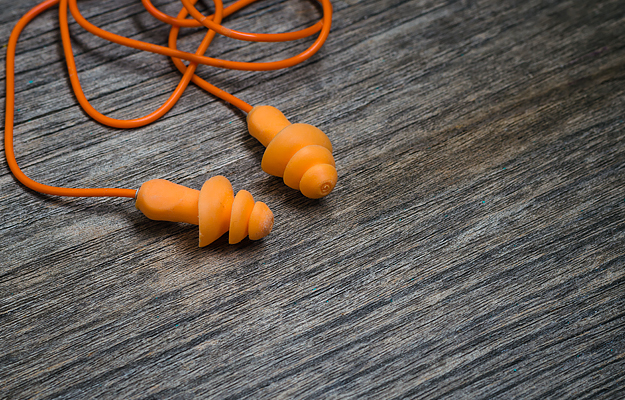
x,y
474,246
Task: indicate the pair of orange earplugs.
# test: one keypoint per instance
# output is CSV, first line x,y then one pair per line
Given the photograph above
x,y
299,153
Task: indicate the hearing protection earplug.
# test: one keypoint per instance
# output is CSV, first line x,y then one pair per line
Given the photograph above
x,y
214,208
299,153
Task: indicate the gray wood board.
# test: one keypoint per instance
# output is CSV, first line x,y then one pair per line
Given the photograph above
x,y
473,247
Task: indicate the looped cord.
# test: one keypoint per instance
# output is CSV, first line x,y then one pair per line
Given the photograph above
x,y
212,22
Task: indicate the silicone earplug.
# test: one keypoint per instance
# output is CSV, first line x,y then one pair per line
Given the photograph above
x,y
214,208
299,153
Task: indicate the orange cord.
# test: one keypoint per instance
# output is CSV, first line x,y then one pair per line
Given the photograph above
x,y
212,22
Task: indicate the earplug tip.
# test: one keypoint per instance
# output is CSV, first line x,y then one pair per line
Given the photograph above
x,y
261,221
318,181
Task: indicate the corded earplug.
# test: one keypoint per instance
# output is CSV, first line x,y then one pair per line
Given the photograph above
x,y
299,153
214,208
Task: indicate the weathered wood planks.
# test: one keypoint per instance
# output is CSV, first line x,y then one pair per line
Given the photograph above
x,y
473,247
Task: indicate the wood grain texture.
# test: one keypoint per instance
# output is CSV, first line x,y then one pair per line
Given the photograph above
x,y
474,246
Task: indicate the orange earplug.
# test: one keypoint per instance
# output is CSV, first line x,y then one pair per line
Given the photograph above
x,y
300,153
214,208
